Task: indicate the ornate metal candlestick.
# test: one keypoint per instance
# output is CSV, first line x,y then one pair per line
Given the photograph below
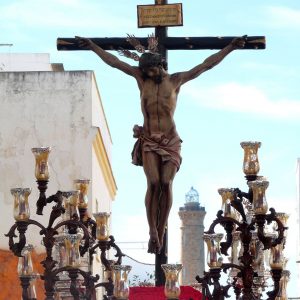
x,y
72,237
244,217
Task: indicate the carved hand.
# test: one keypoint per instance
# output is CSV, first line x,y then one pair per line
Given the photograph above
x,y
239,43
85,43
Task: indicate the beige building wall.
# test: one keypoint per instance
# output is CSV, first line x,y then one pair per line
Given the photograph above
x,y
58,109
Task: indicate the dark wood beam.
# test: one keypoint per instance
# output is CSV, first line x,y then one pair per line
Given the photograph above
x,y
170,43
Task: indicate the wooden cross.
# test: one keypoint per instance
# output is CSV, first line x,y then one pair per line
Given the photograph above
x,y
165,43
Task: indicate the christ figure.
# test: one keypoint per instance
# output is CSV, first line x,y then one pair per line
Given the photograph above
x,y
158,144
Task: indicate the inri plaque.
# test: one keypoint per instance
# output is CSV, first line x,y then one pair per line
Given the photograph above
x,y
160,15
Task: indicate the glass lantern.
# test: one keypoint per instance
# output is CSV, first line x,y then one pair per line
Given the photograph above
x,y
120,279
41,162
172,287
102,229
214,258
82,185
251,164
228,196
260,205
277,260
72,255
282,293
59,251
236,236
31,289
25,267
283,217
70,202
21,205
256,250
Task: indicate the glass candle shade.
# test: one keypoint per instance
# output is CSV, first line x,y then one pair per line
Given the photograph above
x,y
109,274
277,260
251,164
260,205
282,293
21,205
25,267
41,162
256,250
172,287
31,288
283,217
214,258
120,280
72,243
258,286
60,252
235,247
70,202
227,197
82,185
102,229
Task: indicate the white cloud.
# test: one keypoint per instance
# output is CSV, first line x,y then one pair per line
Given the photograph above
x,y
244,98
283,17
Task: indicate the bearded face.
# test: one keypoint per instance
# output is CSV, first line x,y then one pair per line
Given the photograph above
x,y
153,73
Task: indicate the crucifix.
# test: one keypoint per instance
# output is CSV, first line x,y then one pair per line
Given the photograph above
x,y
158,144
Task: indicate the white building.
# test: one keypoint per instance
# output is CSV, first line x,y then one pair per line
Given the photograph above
x,y
43,105
192,244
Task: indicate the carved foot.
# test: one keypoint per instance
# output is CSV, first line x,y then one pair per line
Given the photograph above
x,y
161,234
154,245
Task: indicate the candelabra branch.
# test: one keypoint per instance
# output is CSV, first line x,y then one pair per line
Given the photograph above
x,y
87,221
228,226
89,282
280,228
212,278
260,220
205,282
276,275
108,286
90,223
49,277
42,201
240,194
237,202
57,209
21,226
25,283
246,234
74,224
73,274
119,254
221,220
227,266
105,246
16,248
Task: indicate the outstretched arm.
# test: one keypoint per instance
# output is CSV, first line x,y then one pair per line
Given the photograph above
x,y
109,58
210,62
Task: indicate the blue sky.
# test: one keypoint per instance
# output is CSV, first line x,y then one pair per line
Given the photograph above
x,y
251,95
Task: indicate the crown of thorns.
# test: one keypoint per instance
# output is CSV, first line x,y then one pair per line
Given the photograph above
x,y
151,48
